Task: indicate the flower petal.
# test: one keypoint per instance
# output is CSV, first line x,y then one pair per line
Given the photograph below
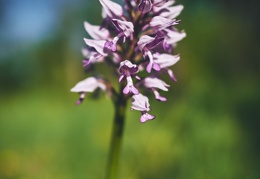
x,y
166,60
145,6
160,23
150,82
140,103
95,32
111,8
88,85
145,117
98,45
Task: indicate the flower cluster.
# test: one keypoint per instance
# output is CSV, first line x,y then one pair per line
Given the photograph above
x,y
136,38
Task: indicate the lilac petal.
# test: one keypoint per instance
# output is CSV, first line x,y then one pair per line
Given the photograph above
x,y
165,60
156,67
172,12
95,32
137,77
145,6
173,36
157,41
145,39
171,75
161,98
109,47
126,90
158,97
88,85
158,5
111,8
150,82
134,90
140,103
85,62
124,26
120,78
98,45
149,67
127,68
130,87
145,117
160,23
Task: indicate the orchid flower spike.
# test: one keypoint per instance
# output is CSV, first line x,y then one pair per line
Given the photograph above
x,y
137,38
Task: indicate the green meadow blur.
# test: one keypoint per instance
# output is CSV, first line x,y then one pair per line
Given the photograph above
x,y
208,128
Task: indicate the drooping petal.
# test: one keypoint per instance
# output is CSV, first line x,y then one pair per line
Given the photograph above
x,y
124,26
95,32
158,96
160,23
140,103
172,12
98,45
171,74
145,117
166,60
144,40
158,5
173,36
88,85
111,8
150,82
151,65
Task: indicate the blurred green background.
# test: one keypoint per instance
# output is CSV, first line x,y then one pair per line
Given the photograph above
x,y
208,128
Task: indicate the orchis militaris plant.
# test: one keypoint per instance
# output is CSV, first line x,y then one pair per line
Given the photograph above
x,y
136,39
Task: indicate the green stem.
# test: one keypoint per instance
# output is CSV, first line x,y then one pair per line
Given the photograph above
x,y
117,135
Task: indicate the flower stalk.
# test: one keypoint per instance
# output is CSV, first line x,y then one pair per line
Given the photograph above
x,y
117,136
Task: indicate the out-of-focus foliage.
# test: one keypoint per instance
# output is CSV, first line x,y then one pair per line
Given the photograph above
x,y
208,129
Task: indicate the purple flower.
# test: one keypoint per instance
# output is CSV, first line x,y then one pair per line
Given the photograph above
x,y
172,36
124,28
159,5
96,32
112,9
165,61
88,85
145,44
141,103
145,6
172,12
127,69
160,23
98,45
153,83
91,56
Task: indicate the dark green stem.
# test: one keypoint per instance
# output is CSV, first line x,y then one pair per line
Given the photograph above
x,y
117,135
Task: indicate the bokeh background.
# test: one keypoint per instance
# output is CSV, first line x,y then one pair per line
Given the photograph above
x,y
208,128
